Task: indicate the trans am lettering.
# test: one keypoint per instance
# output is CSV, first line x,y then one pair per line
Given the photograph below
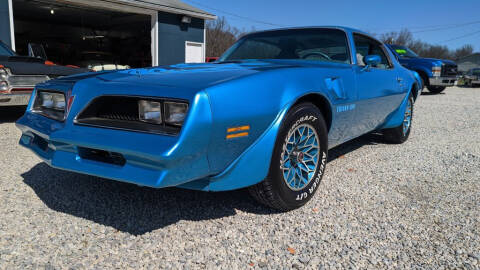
x,y
345,108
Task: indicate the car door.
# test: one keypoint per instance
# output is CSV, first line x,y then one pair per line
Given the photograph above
x,y
336,75
378,87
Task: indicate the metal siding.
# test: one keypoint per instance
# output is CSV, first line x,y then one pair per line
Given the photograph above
x,y
172,36
5,23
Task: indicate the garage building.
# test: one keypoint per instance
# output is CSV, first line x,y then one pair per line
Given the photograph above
x,y
135,33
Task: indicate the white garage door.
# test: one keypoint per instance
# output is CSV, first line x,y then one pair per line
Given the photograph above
x,y
194,52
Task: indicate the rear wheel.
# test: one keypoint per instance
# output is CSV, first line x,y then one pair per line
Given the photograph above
x,y
401,133
436,89
298,160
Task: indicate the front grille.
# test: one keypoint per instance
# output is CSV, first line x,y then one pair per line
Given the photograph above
x,y
40,142
449,70
102,156
117,108
19,81
120,112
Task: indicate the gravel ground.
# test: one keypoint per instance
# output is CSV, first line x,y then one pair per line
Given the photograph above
x,y
415,205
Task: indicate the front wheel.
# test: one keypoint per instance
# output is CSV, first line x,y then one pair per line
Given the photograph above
x,y
436,89
298,161
401,133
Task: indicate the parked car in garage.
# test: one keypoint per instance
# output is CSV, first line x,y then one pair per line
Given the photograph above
x,y
100,61
19,75
211,59
263,116
437,74
472,77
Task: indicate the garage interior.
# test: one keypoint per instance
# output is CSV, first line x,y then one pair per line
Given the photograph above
x,y
83,36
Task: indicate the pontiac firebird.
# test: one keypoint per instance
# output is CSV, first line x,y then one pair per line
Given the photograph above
x,y
263,116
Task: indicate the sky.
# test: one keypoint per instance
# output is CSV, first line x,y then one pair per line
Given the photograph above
x,y
440,22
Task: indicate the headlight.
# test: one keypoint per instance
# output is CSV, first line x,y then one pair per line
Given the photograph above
x,y
175,113
150,111
437,71
54,101
50,104
4,71
3,86
172,113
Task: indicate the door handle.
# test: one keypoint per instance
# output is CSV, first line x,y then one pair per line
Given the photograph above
x,y
399,79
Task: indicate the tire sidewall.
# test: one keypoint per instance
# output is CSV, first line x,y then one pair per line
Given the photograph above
x,y
405,136
305,113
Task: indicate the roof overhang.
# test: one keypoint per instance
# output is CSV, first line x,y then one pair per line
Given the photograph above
x,y
140,7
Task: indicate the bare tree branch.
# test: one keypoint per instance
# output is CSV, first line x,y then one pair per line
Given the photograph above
x,y
220,36
405,37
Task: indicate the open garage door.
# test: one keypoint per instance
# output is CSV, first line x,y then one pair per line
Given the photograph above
x,y
90,37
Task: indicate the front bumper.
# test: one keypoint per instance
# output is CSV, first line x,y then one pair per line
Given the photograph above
x,y
144,159
475,81
14,99
443,81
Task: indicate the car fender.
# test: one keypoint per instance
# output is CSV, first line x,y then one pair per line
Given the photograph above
x,y
396,118
253,165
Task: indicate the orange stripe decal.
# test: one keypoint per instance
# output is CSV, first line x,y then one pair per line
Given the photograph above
x,y
236,129
237,135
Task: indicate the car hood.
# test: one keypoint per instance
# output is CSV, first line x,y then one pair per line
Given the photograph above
x,y
444,61
186,76
18,58
430,61
22,65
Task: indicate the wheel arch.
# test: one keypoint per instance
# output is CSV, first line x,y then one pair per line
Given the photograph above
x,y
250,167
321,102
424,76
414,89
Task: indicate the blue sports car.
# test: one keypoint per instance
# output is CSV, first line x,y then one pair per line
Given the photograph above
x,y
263,116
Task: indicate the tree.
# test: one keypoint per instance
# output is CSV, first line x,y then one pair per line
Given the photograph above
x,y
405,38
220,36
466,50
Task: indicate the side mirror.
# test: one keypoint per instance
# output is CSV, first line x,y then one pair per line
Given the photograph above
x,y
372,60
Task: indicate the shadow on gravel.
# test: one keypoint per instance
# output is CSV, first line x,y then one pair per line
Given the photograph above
x,y
130,208
432,94
11,114
139,210
343,149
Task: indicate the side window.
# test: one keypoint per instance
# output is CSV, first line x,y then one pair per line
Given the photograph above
x,y
367,46
325,45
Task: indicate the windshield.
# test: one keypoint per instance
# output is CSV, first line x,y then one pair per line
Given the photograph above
x,y
5,50
328,45
404,51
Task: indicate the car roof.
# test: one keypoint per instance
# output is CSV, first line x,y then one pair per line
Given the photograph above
x,y
346,29
343,28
